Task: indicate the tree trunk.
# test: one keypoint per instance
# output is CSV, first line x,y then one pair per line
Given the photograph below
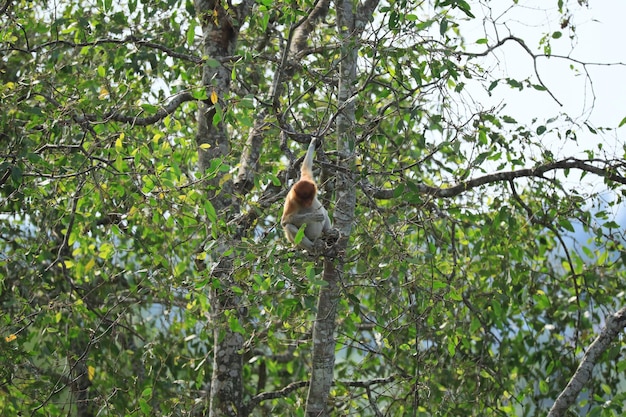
x,y
324,343
219,40
322,374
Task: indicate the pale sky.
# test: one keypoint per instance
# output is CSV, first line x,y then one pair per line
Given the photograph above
x,y
601,32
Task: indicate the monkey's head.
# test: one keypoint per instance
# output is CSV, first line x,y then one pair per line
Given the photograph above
x,y
305,192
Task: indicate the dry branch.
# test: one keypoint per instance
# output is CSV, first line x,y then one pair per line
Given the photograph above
x,y
615,323
609,172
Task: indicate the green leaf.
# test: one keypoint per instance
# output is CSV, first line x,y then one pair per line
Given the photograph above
x,y
319,282
310,272
212,63
209,211
591,129
145,407
566,224
217,117
191,32
451,347
199,93
481,158
274,179
119,145
465,7
497,308
106,250
436,285
513,83
398,191
234,324
482,137
150,108
265,19
298,238
475,325
443,26
16,175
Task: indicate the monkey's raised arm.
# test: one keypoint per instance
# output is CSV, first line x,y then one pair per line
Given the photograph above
x,y
306,170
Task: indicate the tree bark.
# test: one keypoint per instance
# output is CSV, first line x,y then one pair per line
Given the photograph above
x,y
323,363
219,40
322,374
615,323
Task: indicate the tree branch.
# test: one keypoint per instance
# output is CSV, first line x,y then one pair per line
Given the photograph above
x,y
609,172
281,393
163,111
270,395
528,51
367,384
64,246
535,57
298,36
301,32
129,39
615,323
4,8
115,115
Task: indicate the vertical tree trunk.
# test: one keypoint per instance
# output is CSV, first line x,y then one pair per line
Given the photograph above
x,y
351,21
80,381
323,362
322,374
219,40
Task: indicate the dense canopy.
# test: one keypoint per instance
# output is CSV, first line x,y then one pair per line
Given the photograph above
x,y
147,148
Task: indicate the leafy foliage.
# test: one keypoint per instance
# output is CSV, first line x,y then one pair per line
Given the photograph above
x,y
457,296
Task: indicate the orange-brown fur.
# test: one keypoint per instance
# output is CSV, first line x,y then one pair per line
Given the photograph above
x,y
304,192
303,207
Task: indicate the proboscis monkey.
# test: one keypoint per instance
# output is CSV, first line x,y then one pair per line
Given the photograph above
x,y
303,207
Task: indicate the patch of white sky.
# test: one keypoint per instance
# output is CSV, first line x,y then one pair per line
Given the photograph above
x,y
598,31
